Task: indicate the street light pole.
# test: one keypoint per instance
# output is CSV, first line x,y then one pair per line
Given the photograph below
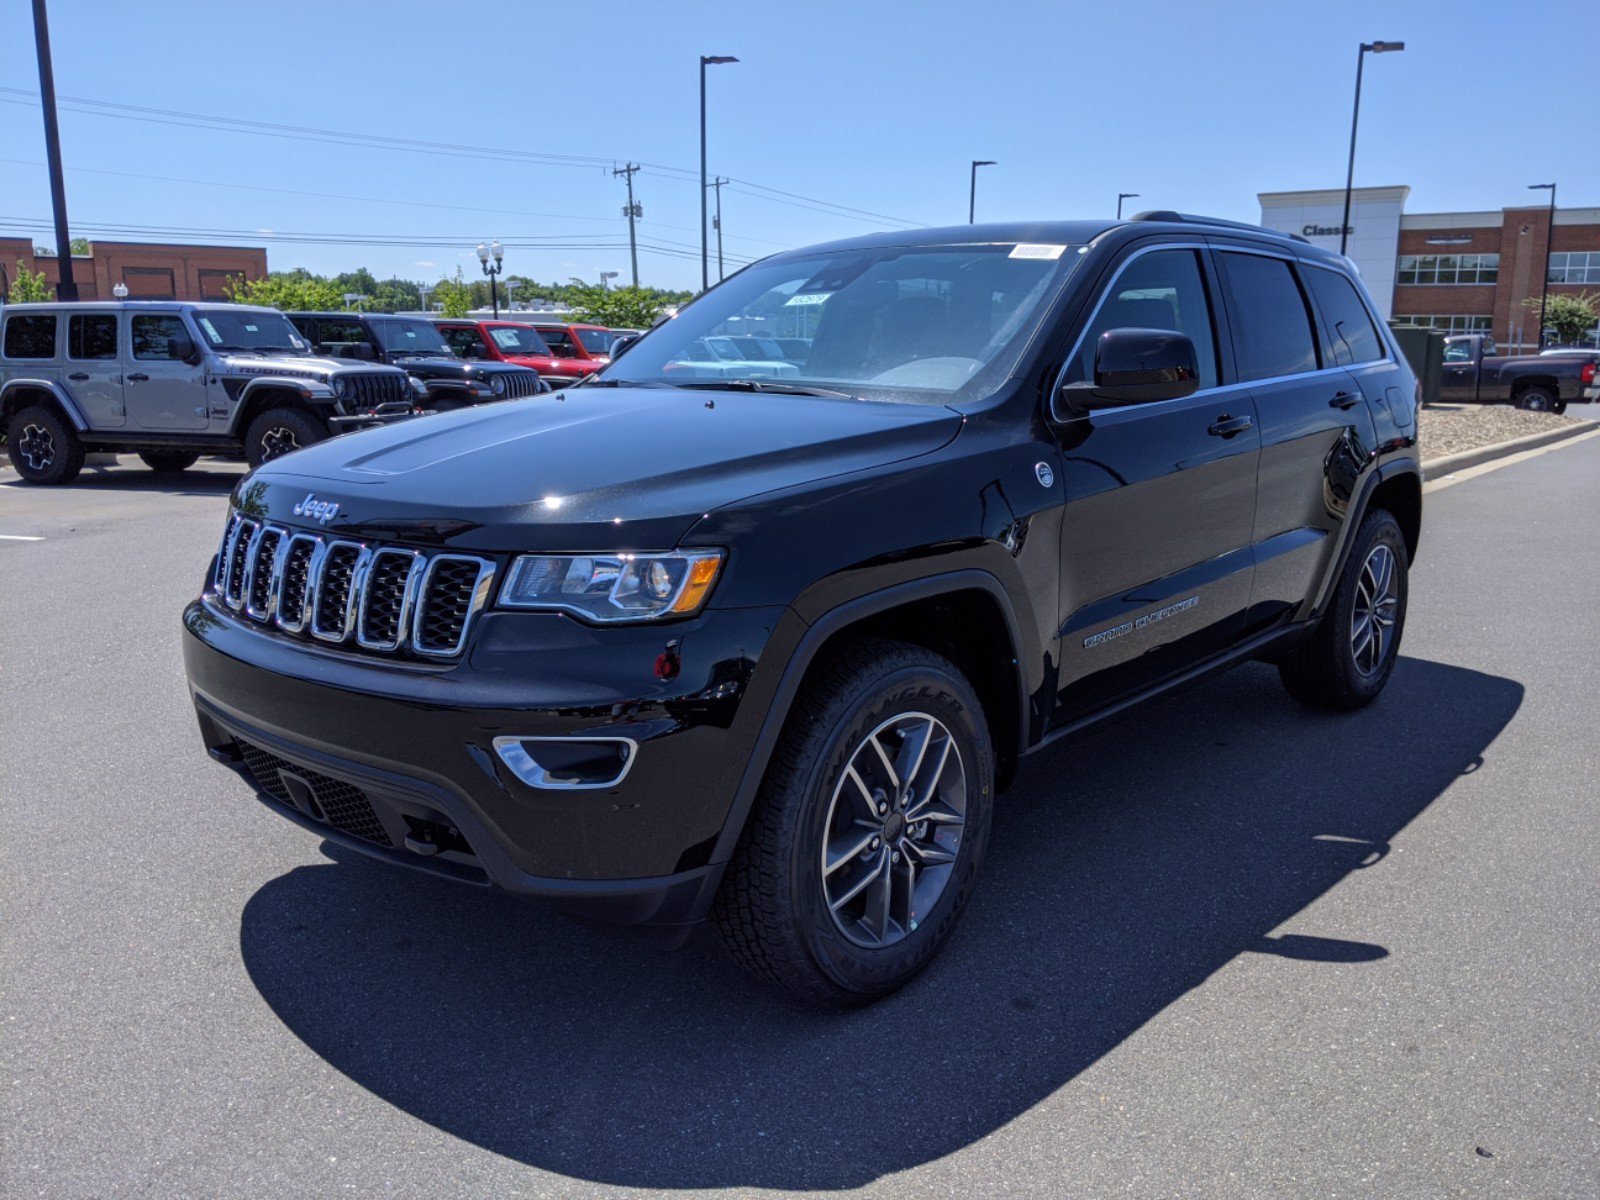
x,y
1121,196
1355,116
66,286
972,189
1549,235
706,60
485,253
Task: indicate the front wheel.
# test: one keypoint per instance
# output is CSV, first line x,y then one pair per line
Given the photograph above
x,y
44,448
860,854
1348,659
280,431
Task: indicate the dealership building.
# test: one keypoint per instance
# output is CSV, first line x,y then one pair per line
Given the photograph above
x,y
149,270
1463,272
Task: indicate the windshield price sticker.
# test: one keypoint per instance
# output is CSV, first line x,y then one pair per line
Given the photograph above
x,y
211,331
807,298
1042,250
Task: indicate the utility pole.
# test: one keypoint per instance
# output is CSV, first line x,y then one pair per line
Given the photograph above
x,y
716,223
633,212
66,286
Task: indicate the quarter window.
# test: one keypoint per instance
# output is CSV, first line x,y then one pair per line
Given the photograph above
x,y
32,336
1428,269
151,334
92,336
1161,290
1350,328
1271,325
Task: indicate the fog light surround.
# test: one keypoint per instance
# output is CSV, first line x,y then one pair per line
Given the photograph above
x,y
567,764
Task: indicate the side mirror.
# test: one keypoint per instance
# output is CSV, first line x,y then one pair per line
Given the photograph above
x,y
621,343
361,350
182,349
1136,366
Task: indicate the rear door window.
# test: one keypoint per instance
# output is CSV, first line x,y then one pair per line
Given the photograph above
x,y
1271,324
1351,333
32,335
92,336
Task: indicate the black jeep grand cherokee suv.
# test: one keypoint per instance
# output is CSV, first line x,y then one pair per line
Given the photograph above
x,y
659,648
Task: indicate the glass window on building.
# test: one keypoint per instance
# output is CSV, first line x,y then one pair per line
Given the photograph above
x,y
1453,323
1575,266
1426,269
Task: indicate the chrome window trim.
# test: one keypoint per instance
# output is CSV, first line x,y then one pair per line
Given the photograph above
x,y
481,590
408,590
313,567
520,762
357,576
274,571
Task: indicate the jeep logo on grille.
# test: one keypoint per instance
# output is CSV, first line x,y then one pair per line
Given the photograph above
x,y
320,511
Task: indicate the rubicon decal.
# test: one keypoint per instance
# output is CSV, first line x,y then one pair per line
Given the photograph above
x,y
1160,614
320,511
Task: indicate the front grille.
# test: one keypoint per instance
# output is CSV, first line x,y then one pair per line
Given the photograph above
x,y
381,598
368,389
521,383
335,802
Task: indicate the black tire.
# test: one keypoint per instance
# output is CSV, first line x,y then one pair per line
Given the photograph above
x,y
1560,408
43,447
168,462
1327,670
280,431
772,911
1536,399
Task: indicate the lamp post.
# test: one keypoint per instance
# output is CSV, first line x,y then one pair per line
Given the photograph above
x,y
1355,115
606,277
706,60
1121,196
1549,232
120,291
66,286
972,188
485,253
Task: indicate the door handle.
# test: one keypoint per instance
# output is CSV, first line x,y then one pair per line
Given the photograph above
x,y
1227,427
139,377
1345,400
78,376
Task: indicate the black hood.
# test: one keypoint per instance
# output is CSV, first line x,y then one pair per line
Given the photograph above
x,y
586,469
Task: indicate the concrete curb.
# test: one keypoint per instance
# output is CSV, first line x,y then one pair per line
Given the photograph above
x,y
1438,468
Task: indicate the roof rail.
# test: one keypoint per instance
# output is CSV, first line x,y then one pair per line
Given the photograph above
x,y
1166,214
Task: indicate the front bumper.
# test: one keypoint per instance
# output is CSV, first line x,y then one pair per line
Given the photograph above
x,y
397,760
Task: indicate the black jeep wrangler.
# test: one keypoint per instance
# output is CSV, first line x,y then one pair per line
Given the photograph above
x,y
765,650
413,344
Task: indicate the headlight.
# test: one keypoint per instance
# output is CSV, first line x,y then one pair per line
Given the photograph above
x,y
497,384
341,386
613,587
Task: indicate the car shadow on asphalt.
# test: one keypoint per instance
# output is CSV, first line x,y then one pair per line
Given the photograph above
x,y
207,477
1124,870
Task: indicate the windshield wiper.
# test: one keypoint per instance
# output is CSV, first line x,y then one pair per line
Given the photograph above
x,y
639,383
767,385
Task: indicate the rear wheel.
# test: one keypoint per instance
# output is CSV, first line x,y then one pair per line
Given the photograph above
x,y
280,431
1349,657
860,854
167,462
1537,399
43,447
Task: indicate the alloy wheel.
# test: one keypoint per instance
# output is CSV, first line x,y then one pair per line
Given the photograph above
x,y
278,441
1377,605
894,829
36,447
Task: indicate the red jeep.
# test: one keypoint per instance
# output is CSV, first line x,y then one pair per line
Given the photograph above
x,y
512,342
584,348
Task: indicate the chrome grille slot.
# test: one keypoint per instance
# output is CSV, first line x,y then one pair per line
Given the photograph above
x,y
238,560
298,567
262,572
386,599
380,598
453,589
331,607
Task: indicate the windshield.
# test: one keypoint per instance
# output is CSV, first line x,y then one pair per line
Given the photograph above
x,y
414,337
896,323
518,339
597,341
229,329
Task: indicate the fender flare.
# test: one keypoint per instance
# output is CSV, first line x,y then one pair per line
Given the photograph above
x,y
1357,513
841,615
68,405
312,391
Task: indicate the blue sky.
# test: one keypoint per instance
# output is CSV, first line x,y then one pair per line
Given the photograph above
x,y
877,107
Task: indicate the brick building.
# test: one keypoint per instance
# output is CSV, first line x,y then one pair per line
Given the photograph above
x,y
150,270
1464,272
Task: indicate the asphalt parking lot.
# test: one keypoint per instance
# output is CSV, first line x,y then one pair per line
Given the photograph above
x,y
1225,947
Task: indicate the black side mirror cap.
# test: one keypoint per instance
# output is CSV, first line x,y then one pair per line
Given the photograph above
x,y
1134,366
182,349
620,344
361,350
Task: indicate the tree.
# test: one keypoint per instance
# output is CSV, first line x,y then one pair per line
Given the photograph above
x,y
620,308
80,246
29,286
1571,316
455,295
292,291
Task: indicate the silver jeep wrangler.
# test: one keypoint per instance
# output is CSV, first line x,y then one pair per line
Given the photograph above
x,y
171,381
